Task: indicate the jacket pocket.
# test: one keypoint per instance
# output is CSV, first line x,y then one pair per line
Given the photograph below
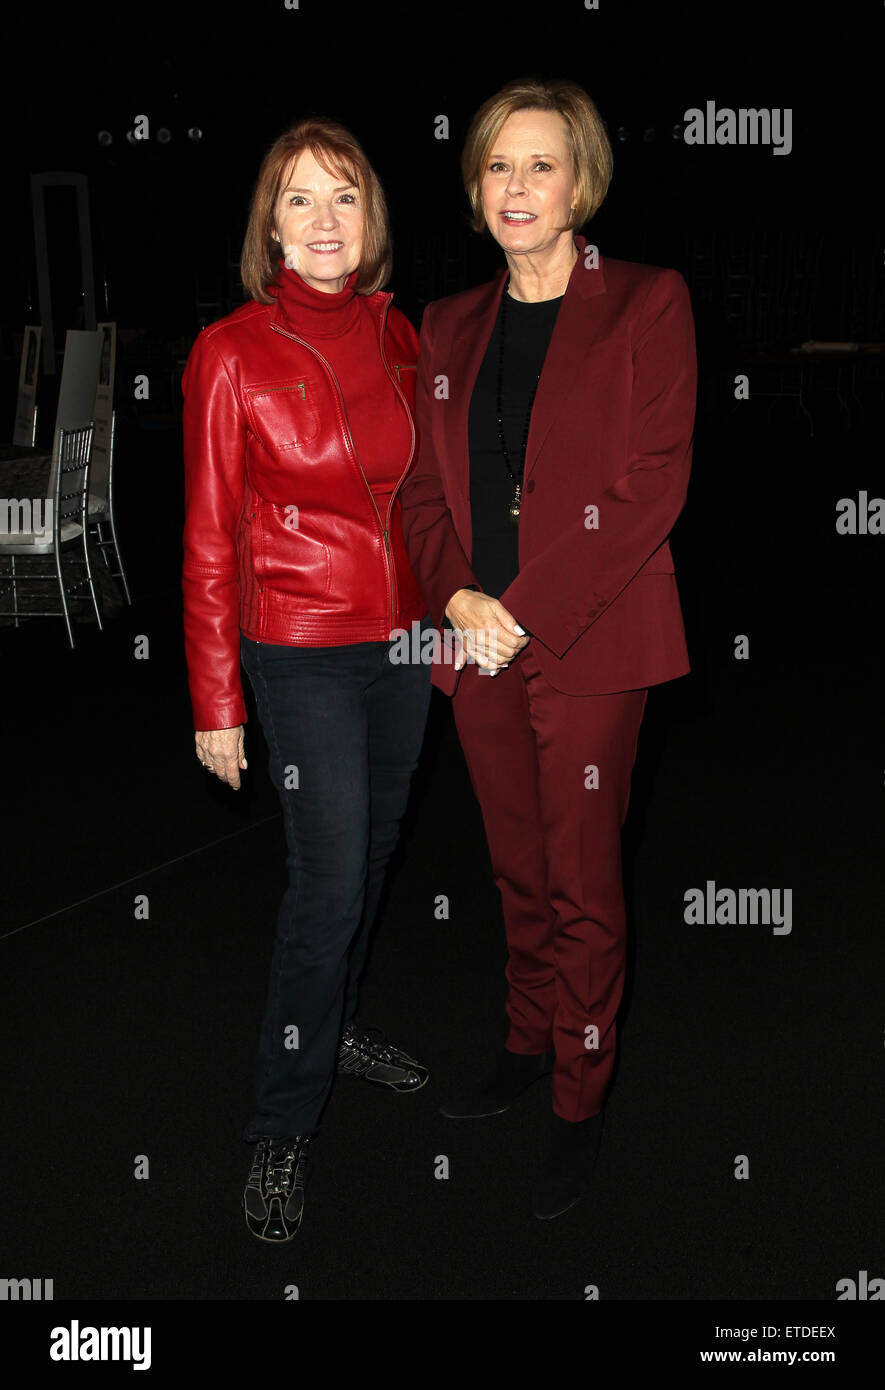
x,y
289,558
284,414
407,376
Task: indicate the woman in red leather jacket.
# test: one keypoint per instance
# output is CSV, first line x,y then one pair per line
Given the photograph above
x,y
298,433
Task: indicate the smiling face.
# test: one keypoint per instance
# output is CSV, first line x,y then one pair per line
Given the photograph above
x,y
318,221
528,187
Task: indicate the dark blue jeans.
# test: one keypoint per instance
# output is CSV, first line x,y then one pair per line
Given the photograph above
x,y
344,727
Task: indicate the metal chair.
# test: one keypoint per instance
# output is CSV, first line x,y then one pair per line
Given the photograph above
x,y
69,483
100,508
765,283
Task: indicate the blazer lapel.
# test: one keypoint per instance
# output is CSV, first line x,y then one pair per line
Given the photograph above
x,y
579,326
468,349
576,331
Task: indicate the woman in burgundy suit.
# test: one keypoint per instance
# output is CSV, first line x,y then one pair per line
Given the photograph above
x,y
555,408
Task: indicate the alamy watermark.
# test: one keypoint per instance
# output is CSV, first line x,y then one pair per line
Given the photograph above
x,y
25,1290
433,648
712,906
76,1343
746,126
25,516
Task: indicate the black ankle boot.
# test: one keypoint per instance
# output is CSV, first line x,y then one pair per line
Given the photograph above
x,y
495,1092
568,1164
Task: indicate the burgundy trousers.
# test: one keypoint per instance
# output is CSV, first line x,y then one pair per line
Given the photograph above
x,y
552,776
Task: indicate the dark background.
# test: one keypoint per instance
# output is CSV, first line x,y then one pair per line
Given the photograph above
x,y
168,219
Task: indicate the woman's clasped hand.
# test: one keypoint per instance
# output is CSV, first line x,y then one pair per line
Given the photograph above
x,y
490,635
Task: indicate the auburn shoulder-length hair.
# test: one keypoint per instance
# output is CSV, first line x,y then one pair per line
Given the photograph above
x,y
341,154
588,141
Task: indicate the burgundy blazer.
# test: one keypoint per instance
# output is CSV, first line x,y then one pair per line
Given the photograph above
x,y
612,429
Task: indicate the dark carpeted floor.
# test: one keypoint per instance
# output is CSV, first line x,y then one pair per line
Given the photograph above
x,y
128,1035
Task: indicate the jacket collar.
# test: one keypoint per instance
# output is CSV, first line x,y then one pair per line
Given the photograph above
x,y
312,314
585,281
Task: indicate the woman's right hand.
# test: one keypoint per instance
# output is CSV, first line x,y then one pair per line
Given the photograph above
x,y
491,635
223,751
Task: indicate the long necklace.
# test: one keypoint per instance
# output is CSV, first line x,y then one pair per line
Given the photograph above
x,y
516,501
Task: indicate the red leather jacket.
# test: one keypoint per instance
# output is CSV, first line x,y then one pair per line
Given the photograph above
x,y
282,539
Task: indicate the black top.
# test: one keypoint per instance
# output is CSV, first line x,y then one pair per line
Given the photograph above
x,y
495,559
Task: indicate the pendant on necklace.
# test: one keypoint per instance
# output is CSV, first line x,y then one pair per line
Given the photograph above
x,y
513,509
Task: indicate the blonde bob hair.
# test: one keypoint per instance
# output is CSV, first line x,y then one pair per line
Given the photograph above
x,y
588,141
339,153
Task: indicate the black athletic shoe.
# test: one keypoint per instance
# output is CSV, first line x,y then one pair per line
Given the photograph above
x,y
273,1200
496,1090
366,1052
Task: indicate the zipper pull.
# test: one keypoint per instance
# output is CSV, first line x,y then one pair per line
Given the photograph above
x,y
386,542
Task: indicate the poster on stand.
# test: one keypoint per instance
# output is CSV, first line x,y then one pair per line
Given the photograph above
x,y
26,403
103,414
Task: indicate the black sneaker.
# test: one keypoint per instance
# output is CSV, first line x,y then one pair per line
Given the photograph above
x,y
365,1052
273,1200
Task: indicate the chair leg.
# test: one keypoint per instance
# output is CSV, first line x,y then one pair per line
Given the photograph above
x,y
103,545
122,572
89,577
14,592
64,597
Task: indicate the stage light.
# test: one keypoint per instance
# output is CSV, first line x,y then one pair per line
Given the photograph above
x,y
105,137
163,136
195,133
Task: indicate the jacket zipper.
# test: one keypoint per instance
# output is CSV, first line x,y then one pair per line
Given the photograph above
x,y
266,390
409,416
385,525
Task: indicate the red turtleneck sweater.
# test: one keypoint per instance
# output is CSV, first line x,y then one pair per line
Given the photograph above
x,y
340,326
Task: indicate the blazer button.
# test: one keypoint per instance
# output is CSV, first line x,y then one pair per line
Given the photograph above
x,y
530,485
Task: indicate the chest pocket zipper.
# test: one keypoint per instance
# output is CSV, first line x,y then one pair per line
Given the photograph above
x,y
285,428
299,386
